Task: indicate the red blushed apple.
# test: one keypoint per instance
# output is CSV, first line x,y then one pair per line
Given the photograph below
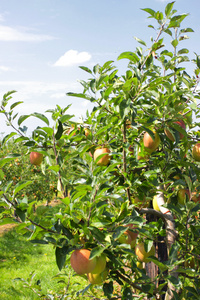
x,y
151,144
87,131
142,254
104,160
36,158
196,152
169,134
81,262
195,197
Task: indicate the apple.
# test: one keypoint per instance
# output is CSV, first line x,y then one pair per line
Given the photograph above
x,y
196,152
181,195
139,265
169,134
142,254
151,144
139,202
104,160
70,130
129,236
195,197
87,131
128,124
100,264
155,203
81,262
36,158
97,278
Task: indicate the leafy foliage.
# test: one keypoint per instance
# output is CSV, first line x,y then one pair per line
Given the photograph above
x,y
154,93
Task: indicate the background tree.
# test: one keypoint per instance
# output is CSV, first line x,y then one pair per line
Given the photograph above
x,y
141,206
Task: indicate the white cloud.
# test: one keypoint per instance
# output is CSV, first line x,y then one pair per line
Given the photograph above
x,y
5,69
58,95
72,57
9,34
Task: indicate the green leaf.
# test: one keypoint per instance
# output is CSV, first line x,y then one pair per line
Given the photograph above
x,y
65,118
1,174
22,119
129,55
8,136
7,159
97,251
79,95
150,11
186,30
108,289
61,256
161,266
59,131
48,130
168,8
15,104
127,294
183,51
140,41
21,214
20,186
174,43
192,291
85,69
7,221
41,117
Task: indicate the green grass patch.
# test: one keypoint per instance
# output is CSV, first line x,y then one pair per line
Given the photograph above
x,y
24,265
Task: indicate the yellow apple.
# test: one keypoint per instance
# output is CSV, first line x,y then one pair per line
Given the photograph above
x,y
155,203
181,195
142,254
196,152
104,160
100,264
97,278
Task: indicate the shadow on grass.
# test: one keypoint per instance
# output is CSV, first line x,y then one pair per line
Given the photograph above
x,y
16,248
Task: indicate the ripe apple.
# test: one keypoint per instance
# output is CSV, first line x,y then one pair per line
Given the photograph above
x,y
69,131
97,278
87,131
104,160
151,144
196,152
142,254
181,195
100,264
36,158
155,203
169,134
81,262
195,197
129,236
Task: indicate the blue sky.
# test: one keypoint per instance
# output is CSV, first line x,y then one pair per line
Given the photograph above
x,y
42,43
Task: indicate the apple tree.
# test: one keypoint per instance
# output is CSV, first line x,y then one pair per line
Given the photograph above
x,y
129,174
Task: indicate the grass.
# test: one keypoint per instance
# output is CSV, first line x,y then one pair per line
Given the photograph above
x,y
19,258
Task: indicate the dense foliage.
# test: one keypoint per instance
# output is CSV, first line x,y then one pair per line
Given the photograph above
x,y
156,95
